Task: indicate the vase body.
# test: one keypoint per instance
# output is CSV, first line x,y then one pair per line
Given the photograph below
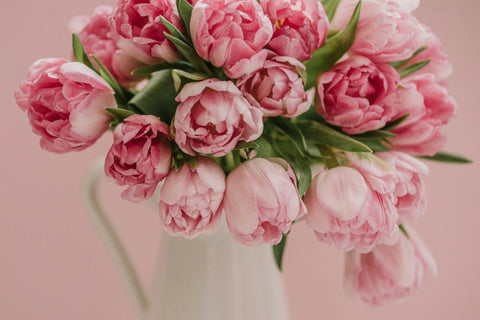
x,y
211,277
215,278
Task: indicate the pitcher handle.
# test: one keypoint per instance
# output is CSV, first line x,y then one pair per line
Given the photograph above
x,y
112,240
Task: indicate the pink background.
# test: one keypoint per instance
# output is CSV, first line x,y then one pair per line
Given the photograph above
x,y
53,265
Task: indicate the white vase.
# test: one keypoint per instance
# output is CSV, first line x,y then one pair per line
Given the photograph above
x,y
207,278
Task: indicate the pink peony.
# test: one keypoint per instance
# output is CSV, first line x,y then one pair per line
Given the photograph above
x,y
409,189
353,208
65,102
231,34
300,27
213,116
96,36
190,199
358,95
385,32
137,27
261,201
389,273
140,156
421,133
277,88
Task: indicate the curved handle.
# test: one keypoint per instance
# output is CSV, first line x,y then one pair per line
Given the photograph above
x,y
112,240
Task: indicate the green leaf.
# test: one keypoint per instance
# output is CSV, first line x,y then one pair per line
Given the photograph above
x,y
113,124
303,74
447,157
265,149
289,143
120,114
398,64
311,114
179,159
176,163
402,228
395,123
334,48
247,145
173,30
278,251
80,54
286,149
183,65
331,33
313,151
330,7
291,131
303,168
151,69
191,161
189,53
179,74
122,95
158,97
412,68
375,144
331,159
323,134
185,12
377,134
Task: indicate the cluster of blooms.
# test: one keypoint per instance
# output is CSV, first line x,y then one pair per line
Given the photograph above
x,y
269,111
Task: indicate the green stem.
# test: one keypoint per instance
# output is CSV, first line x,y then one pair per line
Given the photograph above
x,y
331,161
402,228
230,162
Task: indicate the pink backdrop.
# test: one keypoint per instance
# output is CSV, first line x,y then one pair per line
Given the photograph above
x,y
53,264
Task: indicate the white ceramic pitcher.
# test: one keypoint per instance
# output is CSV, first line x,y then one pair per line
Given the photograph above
x,y
207,278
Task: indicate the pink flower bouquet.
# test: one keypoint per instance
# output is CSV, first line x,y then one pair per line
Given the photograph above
x,y
269,112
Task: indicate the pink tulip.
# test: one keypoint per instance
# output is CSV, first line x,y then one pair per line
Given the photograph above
x,y
138,30
140,156
408,101
261,201
353,207
377,174
213,116
190,199
389,273
408,5
409,189
231,34
122,67
421,133
65,102
277,89
358,95
300,27
97,39
385,32
439,64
